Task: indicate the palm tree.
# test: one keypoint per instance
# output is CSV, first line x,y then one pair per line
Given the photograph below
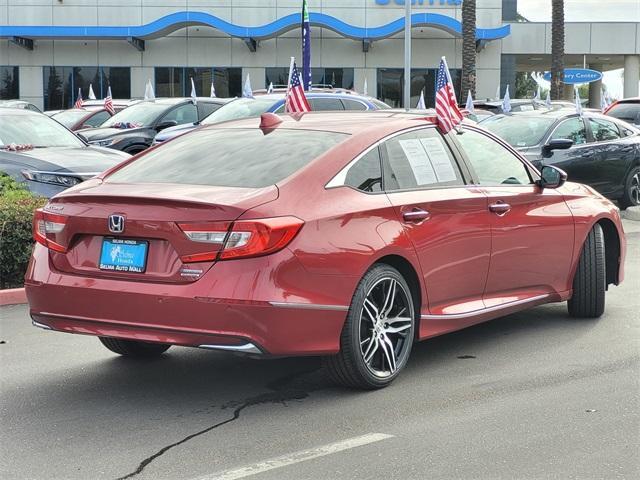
x,y
557,48
468,48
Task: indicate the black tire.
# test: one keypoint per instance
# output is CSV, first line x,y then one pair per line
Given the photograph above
x,y
348,367
631,196
133,348
590,281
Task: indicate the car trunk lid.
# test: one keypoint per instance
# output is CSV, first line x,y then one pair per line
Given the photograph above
x,y
151,215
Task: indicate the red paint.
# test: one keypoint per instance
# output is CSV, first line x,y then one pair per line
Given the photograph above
x,y
472,261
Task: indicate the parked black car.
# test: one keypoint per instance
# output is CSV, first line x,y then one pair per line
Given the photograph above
x,y
132,130
593,149
42,154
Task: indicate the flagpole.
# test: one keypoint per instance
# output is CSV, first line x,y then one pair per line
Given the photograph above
x,y
407,54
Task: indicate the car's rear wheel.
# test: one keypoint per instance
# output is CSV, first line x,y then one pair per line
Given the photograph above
x,y
133,348
378,334
590,281
631,197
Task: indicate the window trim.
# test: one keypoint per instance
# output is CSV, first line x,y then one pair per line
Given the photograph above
x,y
587,130
534,175
338,180
603,142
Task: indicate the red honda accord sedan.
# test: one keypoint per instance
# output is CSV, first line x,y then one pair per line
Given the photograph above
x,y
346,235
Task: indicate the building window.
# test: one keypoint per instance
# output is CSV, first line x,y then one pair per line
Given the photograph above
x,y
176,81
61,84
328,77
391,85
9,83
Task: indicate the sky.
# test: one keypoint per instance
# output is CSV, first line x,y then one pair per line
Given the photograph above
x,y
588,11
583,10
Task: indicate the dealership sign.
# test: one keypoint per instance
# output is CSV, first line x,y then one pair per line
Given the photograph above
x,y
420,2
577,75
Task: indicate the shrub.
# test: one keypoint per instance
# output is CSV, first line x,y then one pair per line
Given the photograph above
x,y
16,216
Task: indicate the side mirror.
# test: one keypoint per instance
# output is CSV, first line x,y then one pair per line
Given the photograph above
x,y
166,124
551,177
557,144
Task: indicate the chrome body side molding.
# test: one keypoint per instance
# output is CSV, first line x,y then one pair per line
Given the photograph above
x,y
310,306
496,308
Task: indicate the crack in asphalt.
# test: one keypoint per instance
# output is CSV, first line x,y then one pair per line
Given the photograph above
x,y
280,395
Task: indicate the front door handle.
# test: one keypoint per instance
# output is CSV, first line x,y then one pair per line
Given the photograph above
x,y
416,216
500,208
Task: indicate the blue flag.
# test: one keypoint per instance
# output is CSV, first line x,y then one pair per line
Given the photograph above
x,y
306,47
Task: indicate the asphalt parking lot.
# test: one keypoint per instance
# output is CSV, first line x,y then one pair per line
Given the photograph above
x,y
533,395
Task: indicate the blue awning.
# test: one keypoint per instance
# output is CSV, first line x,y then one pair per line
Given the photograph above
x,y
176,21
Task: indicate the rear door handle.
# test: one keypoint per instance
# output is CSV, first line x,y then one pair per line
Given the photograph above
x,y
500,208
416,216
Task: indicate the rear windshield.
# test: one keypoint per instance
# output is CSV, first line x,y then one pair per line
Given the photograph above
x,y
240,108
229,158
629,112
519,131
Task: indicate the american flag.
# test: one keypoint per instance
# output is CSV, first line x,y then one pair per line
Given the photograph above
x,y
108,103
79,101
447,112
296,99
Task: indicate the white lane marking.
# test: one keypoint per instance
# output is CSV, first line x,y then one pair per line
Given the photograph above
x,y
297,457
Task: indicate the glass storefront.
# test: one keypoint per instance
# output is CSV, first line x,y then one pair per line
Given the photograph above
x,y
9,82
176,81
61,84
329,77
391,85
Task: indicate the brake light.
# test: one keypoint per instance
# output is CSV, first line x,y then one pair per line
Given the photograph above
x,y
46,226
242,239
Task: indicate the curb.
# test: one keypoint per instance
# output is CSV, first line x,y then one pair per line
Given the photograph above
x,y
12,296
631,213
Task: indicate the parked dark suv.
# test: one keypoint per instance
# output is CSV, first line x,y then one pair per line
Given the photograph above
x,y
132,130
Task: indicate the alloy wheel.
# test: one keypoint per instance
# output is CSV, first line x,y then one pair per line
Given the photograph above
x,y
386,327
634,189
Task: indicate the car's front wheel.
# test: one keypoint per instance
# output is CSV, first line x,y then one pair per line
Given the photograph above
x,y
133,348
631,197
590,280
378,334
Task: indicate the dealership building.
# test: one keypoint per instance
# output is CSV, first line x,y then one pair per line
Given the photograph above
x,y
50,48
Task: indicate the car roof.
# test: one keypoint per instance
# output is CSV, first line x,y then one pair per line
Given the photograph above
x,y
276,96
176,100
349,122
19,111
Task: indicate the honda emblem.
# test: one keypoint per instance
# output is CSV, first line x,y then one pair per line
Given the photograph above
x,y
116,223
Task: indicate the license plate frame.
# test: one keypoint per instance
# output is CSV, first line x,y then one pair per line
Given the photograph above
x,y
132,258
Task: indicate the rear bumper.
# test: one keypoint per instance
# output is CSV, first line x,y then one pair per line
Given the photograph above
x,y
270,303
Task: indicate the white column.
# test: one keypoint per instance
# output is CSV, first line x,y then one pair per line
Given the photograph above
x,y
595,89
631,75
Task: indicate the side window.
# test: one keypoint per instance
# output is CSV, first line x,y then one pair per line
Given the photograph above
x,y
493,163
205,109
572,129
366,173
419,159
325,103
186,113
353,105
98,119
603,130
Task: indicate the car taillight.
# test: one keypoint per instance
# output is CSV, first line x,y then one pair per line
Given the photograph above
x,y
46,226
241,239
